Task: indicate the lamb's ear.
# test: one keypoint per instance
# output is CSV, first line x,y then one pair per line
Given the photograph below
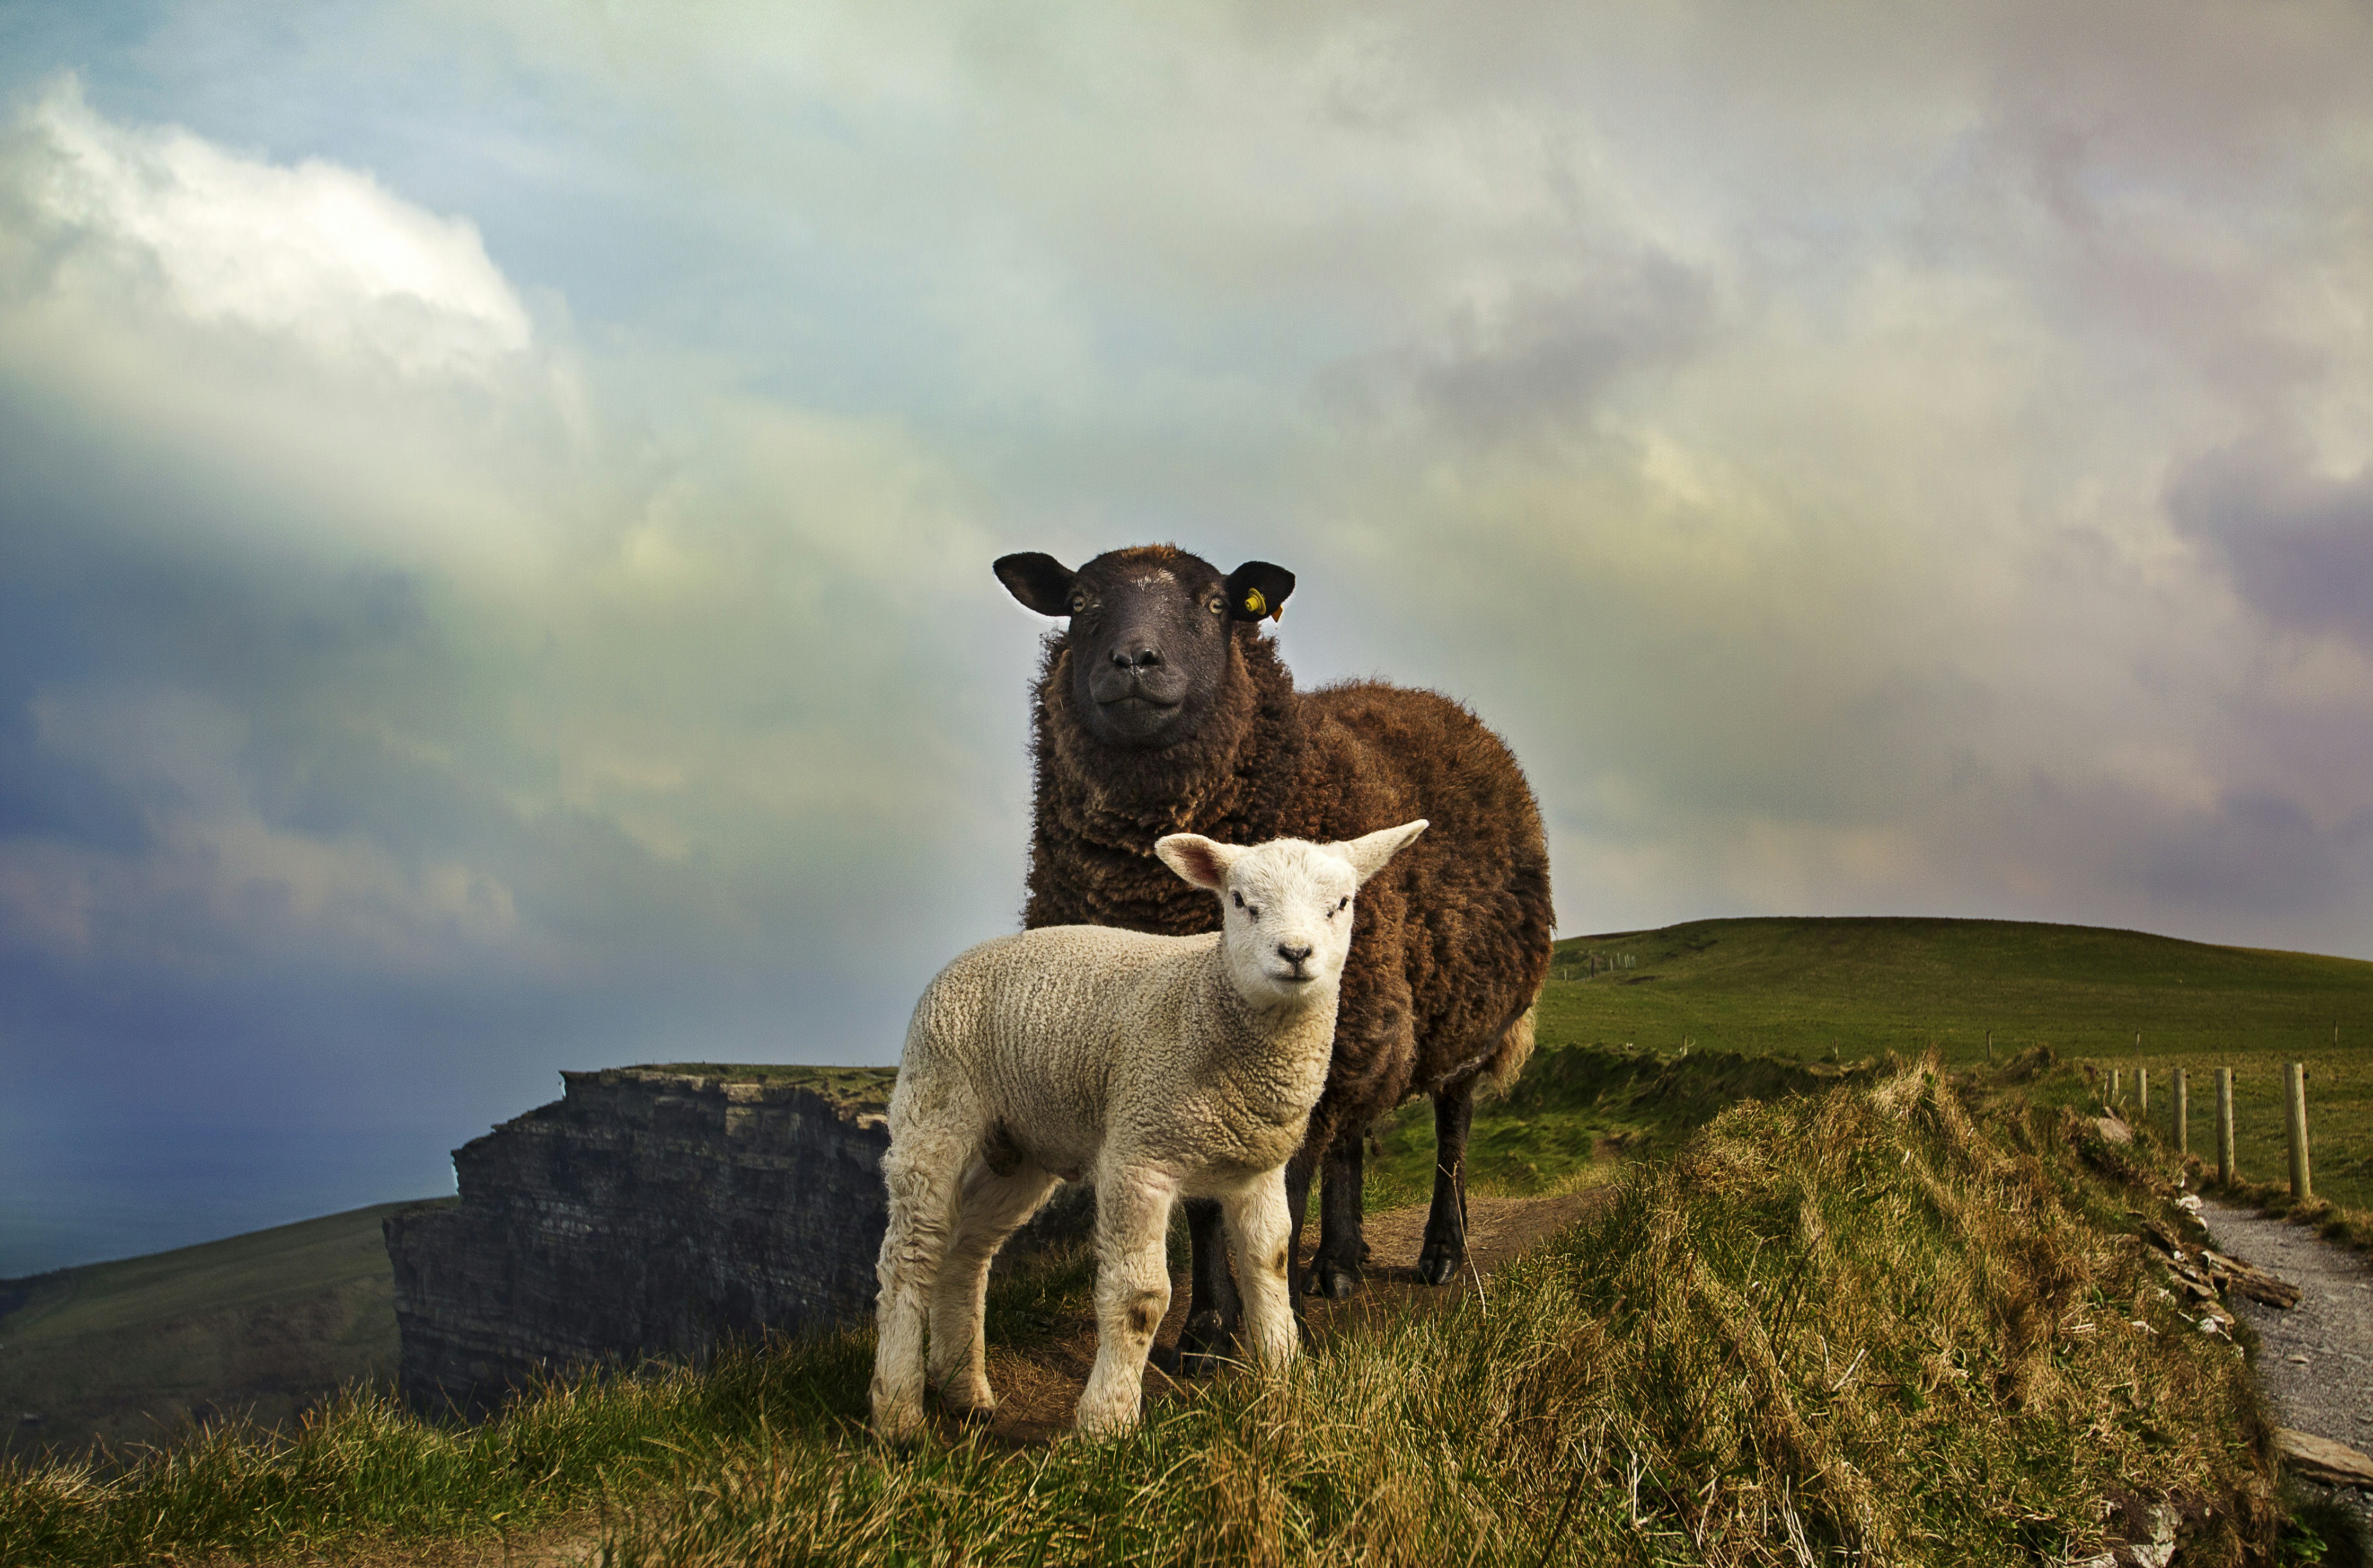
x,y
1257,590
1369,852
1204,862
1040,582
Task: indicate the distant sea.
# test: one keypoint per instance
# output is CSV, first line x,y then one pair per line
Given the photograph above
x,y
120,1194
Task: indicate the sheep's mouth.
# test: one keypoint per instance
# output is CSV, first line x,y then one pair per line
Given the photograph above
x,y
1139,718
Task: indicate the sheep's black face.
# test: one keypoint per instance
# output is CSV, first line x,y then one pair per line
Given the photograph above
x,y
1150,632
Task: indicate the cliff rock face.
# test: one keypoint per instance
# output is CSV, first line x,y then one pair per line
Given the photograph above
x,y
649,1212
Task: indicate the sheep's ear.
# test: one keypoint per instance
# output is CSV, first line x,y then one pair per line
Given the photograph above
x,y
1041,582
1201,861
1257,590
1369,852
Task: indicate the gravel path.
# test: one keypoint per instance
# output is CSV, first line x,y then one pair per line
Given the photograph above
x,y
2315,1360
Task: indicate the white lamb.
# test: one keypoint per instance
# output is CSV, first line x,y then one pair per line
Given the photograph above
x,y
1160,1067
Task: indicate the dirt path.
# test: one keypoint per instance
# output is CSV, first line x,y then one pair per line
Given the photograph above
x,y
2315,1360
1036,1390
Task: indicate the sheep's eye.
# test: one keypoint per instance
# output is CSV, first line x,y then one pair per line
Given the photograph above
x,y
1218,605
1078,603
1239,898
1344,905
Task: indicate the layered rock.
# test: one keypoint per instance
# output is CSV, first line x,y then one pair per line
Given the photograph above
x,y
651,1212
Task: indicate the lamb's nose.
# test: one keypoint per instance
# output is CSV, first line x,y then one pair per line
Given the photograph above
x,y
1136,656
1297,957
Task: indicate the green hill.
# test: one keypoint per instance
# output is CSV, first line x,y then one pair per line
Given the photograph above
x,y
1808,988
262,1324
1798,987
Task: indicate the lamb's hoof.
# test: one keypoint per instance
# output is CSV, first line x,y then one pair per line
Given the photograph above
x,y
1440,1262
1334,1282
1205,1345
969,1397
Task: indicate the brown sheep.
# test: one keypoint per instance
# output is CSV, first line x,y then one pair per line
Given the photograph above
x,y
1161,708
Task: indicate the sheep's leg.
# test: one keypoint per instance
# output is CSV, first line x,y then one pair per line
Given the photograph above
x,y
1208,1339
1338,1270
920,1171
992,1207
1132,1293
1262,1241
1298,1170
1445,1223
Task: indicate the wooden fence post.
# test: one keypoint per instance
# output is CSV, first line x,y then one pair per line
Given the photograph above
x,y
2141,1089
2224,1162
1990,1045
2117,1085
2294,1117
2182,1112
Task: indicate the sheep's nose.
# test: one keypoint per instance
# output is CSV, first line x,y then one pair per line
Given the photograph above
x,y
1136,656
1297,957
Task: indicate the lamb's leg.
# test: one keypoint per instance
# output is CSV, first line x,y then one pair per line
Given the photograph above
x,y
993,1206
1262,1241
1132,1293
1208,1339
1337,1270
920,1171
1445,1223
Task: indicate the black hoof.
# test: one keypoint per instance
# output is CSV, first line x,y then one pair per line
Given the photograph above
x,y
1334,1282
1164,1357
1440,1262
1205,1345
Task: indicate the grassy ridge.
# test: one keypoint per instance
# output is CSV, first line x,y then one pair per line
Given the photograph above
x,y
1804,989
262,1324
1798,987
1894,1318
1577,1114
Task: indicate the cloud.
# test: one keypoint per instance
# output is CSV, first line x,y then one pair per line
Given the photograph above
x,y
314,253
359,620
2299,544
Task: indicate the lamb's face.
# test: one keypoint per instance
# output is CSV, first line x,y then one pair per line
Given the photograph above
x,y
1286,923
1285,906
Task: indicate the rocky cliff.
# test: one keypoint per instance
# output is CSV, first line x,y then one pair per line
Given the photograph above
x,y
649,1212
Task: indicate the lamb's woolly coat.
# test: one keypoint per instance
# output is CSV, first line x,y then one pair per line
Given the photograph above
x,y
1060,1043
1453,939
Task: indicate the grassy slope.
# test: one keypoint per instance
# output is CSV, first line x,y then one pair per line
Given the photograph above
x,y
1757,1003
1798,987
1802,988
1893,1320
263,1323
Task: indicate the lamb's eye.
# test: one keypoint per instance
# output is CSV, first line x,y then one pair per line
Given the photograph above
x,y
1078,603
1218,605
1239,898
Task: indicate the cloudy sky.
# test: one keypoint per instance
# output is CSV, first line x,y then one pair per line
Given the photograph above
x,y
496,500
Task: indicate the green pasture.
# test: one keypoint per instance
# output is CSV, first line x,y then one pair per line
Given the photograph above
x,y
1810,990
254,1326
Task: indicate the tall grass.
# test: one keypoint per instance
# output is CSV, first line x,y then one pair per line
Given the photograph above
x,y
1886,1320
1857,1324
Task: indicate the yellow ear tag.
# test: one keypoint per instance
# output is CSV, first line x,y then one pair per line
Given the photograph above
x,y
1255,605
